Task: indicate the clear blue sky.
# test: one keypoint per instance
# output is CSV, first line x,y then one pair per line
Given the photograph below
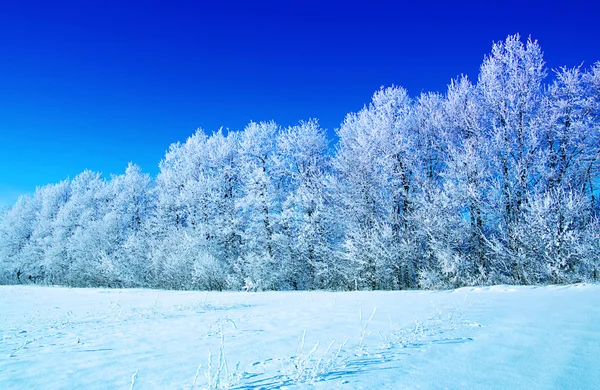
x,y
96,84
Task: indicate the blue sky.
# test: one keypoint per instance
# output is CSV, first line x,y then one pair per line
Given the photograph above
x,y
96,84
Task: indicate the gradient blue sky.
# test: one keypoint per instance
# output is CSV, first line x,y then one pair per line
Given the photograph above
x,y
96,84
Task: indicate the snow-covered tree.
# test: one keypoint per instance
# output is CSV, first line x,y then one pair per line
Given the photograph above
x,y
510,89
195,191
511,92
306,219
375,165
571,134
259,207
127,222
16,229
225,231
591,80
558,239
468,176
52,198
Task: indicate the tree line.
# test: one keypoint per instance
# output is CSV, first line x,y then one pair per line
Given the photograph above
x,y
493,181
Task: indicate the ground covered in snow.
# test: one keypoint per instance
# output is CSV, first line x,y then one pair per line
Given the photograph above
x,y
500,337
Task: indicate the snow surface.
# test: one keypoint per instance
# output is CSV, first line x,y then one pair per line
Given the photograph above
x,y
500,337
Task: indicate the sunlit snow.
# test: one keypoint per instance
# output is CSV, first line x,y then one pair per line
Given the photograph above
x,y
490,337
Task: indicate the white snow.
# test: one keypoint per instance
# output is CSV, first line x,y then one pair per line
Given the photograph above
x,y
500,337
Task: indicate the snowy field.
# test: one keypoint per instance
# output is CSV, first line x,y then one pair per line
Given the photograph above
x,y
500,337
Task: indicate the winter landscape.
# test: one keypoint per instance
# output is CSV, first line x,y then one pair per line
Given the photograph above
x,y
495,182
446,240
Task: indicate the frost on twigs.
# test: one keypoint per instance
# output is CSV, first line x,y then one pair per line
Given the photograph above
x,y
218,374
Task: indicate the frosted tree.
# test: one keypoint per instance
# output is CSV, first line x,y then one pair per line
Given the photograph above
x,y
217,230
259,207
558,239
572,132
510,89
437,224
431,140
375,167
79,242
52,198
189,211
127,221
555,236
591,80
468,176
181,172
306,217
222,166
16,228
